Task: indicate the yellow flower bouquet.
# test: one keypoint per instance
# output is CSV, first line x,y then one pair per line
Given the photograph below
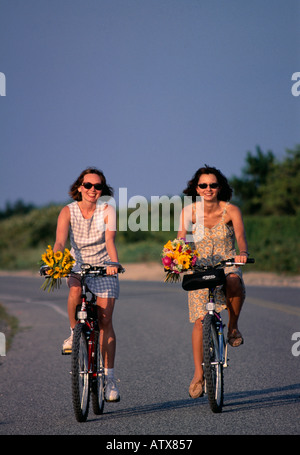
x,y
177,257
59,265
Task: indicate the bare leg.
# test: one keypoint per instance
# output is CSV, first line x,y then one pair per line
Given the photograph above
x,y
196,386
107,333
108,346
234,300
197,344
74,299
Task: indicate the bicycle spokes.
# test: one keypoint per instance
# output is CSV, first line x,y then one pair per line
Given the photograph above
x,y
80,374
213,363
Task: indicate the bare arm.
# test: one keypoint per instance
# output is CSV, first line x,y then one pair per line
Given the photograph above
x,y
110,235
240,234
185,222
62,229
182,229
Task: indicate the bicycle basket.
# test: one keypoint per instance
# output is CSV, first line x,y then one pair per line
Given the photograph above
x,y
201,280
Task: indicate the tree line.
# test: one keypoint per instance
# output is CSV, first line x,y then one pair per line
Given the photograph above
x,y
267,186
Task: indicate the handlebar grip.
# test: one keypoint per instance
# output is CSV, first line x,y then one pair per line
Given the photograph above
x,y
44,269
231,262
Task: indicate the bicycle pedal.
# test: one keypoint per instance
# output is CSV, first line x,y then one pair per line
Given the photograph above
x,y
66,351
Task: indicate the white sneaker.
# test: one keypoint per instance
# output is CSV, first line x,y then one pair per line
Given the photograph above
x,y
111,390
67,344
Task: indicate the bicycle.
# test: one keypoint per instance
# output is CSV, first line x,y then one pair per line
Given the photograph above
x,y
215,345
87,368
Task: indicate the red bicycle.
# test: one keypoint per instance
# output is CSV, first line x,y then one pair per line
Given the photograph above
x,y
87,368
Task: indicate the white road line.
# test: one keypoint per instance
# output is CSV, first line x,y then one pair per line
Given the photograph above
x,y
27,300
284,308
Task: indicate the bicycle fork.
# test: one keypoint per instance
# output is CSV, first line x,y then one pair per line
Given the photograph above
x,y
94,369
210,306
220,331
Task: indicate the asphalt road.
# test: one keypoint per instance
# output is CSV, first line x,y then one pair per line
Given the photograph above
x,y
154,365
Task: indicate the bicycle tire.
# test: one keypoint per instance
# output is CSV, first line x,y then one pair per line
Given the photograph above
x,y
80,374
97,389
213,368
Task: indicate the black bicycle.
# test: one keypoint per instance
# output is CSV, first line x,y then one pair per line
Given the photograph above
x,y
214,341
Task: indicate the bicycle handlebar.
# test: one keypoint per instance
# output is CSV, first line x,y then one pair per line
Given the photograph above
x,y
225,262
232,262
100,270
88,269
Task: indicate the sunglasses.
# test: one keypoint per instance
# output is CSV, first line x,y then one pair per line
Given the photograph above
x,y
213,186
97,186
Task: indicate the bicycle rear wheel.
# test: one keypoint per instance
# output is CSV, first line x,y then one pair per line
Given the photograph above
x,y
80,374
98,379
213,367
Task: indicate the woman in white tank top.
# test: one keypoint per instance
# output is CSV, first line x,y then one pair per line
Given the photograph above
x,y
92,228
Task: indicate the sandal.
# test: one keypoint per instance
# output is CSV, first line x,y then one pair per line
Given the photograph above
x,y
235,338
196,389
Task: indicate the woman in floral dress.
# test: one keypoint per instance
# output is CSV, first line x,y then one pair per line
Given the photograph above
x,y
214,236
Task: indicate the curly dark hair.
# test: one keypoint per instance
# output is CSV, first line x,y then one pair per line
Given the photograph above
x,y
76,195
225,192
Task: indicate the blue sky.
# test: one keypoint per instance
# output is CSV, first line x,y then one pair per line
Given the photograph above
x,y
146,90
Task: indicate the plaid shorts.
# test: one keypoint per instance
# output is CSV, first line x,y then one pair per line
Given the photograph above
x,y
106,286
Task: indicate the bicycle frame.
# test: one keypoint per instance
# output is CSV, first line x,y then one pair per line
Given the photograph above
x,y
82,315
210,306
214,345
91,323
87,269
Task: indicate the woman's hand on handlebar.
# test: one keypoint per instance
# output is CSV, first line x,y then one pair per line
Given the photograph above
x,y
111,270
241,258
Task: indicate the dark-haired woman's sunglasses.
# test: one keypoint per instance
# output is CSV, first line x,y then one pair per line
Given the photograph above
x,y
213,186
97,186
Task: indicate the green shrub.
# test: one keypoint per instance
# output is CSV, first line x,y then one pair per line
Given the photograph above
x,y
273,241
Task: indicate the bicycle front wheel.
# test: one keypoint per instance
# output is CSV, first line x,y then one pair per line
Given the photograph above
x,y
80,374
98,379
213,367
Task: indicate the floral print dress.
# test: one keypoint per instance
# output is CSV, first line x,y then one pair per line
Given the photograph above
x,y
213,244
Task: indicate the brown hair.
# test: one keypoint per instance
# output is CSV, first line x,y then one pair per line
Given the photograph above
x,y
76,195
225,192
